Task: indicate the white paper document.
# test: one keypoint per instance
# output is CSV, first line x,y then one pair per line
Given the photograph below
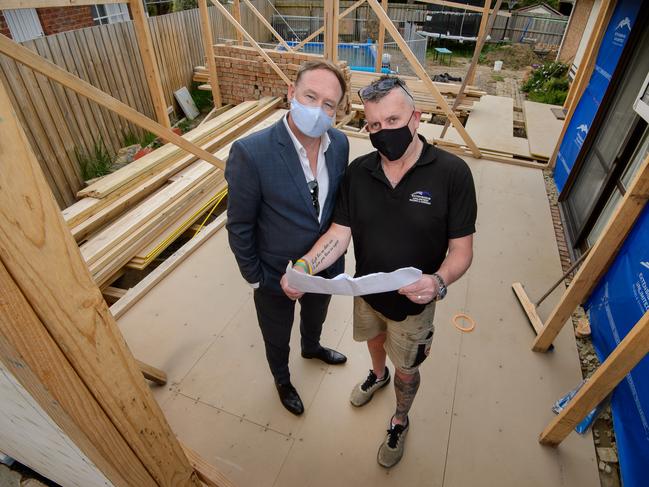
x,y
346,285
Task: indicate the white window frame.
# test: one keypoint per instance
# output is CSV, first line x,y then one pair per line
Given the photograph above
x,y
113,13
641,104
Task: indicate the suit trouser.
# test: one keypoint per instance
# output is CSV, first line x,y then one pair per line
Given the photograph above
x,y
275,314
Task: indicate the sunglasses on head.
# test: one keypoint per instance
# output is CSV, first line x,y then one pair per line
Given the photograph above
x,y
382,86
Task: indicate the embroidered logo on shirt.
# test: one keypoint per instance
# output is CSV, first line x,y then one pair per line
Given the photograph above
x,y
420,197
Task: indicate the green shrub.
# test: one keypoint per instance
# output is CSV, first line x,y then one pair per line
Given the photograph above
x,y
548,83
130,138
96,163
203,99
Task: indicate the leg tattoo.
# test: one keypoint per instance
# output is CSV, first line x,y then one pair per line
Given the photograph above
x,y
405,386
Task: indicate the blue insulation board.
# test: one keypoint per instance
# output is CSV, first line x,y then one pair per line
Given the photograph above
x,y
620,299
613,42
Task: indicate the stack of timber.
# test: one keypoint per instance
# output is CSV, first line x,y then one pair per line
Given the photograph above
x,y
129,217
423,98
244,75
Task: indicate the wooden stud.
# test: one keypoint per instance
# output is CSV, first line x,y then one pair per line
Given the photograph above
x,y
461,6
150,65
33,357
209,475
584,71
617,365
482,32
44,261
476,56
252,41
236,13
423,75
267,24
316,33
599,258
52,71
151,373
208,47
113,294
381,41
528,307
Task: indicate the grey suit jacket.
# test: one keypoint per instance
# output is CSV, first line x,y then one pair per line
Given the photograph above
x,y
271,218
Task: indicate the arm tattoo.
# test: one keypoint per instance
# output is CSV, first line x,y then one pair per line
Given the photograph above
x,y
323,254
405,392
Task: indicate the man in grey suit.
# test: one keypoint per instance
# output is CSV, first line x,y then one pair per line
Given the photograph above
x,y
283,183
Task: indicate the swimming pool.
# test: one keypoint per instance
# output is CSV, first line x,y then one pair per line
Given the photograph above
x,y
359,56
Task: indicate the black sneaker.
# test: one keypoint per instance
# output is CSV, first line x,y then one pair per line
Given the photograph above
x,y
391,450
363,391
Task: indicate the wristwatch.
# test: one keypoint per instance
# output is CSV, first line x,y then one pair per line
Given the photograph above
x,y
441,293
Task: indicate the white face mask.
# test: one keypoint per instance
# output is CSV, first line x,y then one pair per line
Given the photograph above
x,y
311,121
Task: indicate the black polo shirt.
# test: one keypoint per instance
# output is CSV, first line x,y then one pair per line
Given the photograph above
x,y
409,225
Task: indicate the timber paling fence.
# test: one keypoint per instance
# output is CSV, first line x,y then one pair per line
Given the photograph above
x,y
59,123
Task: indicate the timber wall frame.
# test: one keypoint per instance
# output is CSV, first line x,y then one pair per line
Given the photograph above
x,y
56,332
102,402
332,16
635,345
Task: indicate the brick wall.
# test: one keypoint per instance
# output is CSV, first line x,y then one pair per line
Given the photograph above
x,y
4,28
244,75
575,30
61,19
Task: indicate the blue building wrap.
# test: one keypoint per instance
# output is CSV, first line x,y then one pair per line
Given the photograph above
x,y
613,42
620,299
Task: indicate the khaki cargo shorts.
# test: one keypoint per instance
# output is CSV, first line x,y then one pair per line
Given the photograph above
x,y
407,342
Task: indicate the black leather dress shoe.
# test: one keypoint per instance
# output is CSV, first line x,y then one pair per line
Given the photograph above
x,y
327,355
290,398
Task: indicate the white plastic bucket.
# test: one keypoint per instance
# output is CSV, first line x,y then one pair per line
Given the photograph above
x,y
498,65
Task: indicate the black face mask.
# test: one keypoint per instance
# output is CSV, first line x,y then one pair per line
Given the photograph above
x,y
393,143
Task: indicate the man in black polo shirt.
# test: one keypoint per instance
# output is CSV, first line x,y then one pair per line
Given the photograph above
x,y
406,204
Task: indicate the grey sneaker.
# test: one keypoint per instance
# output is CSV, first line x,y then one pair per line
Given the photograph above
x,y
391,450
363,391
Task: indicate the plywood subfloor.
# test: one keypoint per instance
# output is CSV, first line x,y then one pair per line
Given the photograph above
x,y
490,125
543,128
484,397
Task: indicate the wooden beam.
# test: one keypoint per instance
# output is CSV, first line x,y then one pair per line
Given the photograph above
x,y
423,75
52,71
151,373
149,63
461,6
43,259
380,41
33,357
316,33
11,4
331,30
251,40
263,20
482,32
482,38
206,472
617,365
208,47
528,306
584,71
599,257
236,13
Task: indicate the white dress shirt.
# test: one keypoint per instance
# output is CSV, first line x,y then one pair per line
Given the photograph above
x,y
322,175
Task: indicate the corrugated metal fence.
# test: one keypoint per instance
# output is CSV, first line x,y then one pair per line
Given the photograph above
x,y
59,122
